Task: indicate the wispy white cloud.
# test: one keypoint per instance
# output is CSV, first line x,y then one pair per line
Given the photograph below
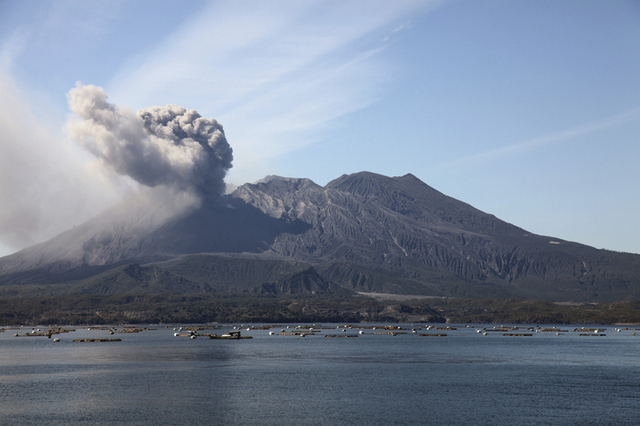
x,y
539,142
12,47
274,74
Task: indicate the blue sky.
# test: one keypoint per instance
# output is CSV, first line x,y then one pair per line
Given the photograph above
x,y
528,110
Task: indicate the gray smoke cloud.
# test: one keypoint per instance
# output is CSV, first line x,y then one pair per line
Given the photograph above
x,y
159,146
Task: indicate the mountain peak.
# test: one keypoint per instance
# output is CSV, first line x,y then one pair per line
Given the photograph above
x,y
360,183
274,181
365,181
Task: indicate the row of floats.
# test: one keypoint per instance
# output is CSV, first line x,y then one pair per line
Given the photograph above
x,y
394,330
54,331
346,330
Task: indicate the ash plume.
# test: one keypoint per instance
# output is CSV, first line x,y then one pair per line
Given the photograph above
x,y
159,146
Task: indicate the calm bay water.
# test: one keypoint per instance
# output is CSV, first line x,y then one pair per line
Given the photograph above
x,y
154,377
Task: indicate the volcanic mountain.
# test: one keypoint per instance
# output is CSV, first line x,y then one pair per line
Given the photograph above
x,y
360,233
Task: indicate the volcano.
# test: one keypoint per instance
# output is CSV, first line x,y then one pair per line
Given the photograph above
x,y
360,233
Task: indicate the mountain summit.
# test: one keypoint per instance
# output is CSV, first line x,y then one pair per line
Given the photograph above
x,y
361,232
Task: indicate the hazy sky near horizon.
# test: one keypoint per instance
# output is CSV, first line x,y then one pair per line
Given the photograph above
x,y
528,110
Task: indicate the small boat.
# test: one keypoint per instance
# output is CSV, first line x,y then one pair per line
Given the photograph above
x,y
230,335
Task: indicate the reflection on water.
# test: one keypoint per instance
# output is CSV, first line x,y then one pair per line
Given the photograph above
x,y
464,378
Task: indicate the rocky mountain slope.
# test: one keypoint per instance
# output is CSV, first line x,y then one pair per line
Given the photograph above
x,y
375,233
361,232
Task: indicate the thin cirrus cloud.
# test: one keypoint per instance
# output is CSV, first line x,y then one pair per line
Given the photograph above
x,y
273,74
518,148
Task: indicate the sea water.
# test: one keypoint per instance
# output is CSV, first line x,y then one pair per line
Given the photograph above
x,y
465,377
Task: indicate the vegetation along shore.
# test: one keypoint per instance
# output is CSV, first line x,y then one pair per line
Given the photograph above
x,y
200,308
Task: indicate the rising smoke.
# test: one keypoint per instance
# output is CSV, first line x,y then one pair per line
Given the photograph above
x,y
159,146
